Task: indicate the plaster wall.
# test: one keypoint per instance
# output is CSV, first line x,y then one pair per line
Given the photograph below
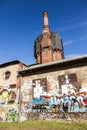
x,y
13,76
52,77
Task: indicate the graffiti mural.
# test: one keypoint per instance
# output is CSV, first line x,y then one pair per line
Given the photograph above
x,y
39,87
12,115
7,96
68,83
8,104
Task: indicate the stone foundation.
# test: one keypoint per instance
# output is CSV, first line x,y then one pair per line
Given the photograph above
x,y
66,117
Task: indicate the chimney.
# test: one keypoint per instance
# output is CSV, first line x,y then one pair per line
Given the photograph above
x,y
46,24
45,17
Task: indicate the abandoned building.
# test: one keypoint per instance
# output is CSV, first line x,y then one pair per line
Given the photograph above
x,y
51,75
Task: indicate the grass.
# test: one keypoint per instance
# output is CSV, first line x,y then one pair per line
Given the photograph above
x,y
43,125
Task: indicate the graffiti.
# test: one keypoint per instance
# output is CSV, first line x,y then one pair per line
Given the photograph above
x,y
68,83
39,87
63,103
12,115
8,96
8,104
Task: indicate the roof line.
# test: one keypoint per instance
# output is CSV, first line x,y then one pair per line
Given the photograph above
x,y
11,62
56,62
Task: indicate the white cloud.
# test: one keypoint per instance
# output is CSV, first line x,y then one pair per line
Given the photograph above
x,y
75,26
72,55
68,42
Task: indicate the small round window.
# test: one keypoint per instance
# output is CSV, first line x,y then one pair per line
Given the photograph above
x,y
7,75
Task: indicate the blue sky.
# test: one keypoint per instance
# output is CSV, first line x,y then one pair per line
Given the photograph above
x,y
21,22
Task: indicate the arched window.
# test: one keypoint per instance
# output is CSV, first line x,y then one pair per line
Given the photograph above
x,y
7,75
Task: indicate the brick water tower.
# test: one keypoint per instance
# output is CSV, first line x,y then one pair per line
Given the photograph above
x,y
48,46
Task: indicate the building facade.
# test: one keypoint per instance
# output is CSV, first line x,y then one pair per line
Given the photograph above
x,y
10,83
52,75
